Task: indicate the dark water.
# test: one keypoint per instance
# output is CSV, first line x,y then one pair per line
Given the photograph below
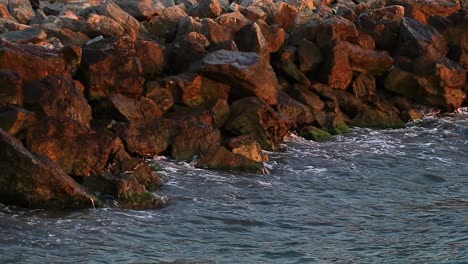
x,y
393,196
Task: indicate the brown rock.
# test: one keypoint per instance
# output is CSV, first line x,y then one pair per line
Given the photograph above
x,y
364,88
57,96
306,96
185,50
194,138
374,62
16,120
247,71
283,14
310,56
247,146
250,39
110,66
297,113
214,32
335,28
67,37
11,88
139,9
32,62
252,116
28,35
206,9
103,25
161,96
219,158
36,182
21,10
337,69
151,55
274,35
164,26
232,22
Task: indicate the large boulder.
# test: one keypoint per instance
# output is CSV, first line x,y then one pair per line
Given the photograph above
x,y
11,88
21,10
32,62
373,62
78,150
337,71
298,114
252,116
194,138
139,9
206,9
164,26
28,35
111,66
151,55
219,158
16,120
185,50
57,96
250,38
248,72
36,182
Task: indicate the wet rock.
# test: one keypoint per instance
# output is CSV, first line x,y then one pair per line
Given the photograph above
x,y
28,35
57,96
193,139
111,66
206,9
297,113
32,62
147,137
119,107
130,25
247,146
151,55
193,90
252,116
316,134
11,88
36,182
375,118
139,9
332,119
78,150
417,39
247,71
16,120
185,50
219,158
347,102
164,26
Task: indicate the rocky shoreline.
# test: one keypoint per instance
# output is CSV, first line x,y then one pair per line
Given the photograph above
x,y
89,89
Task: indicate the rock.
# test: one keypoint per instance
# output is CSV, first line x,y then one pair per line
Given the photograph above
x,y
151,55
316,134
337,71
332,119
66,36
139,9
147,137
21,10
130,25
16,120
164,26
193,139
251,39
100,25
206,9
32,62
365,41
161,96
28,35
219,158
373,62
232,22
310,56
289,68
274,35
402,82
193,90
347,102
252,116
78,150
35,182
364,88
306,96
4,13
247,71
110,66
11,88
185,50
282,14
417,39
247,146
375,118
119,107
188,24
253,13
297,113
57,96
214,32
383,25
335,28
302,5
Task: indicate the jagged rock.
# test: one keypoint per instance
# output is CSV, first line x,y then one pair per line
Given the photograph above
x,y
16,120
119,107
214,32
423,9
11,88
165,25
364,88
147,137
21,10
78,150
297,113
232,22
289,68
252,116
28,35
347,102
188,24
102,25
302,5
417,39
274,35
110,66
32,62
310,56
139,9
151,55
57,96
130,25
383,25
247,71
247,146
374,62
193,90
375,118
364,40
316,134
161,96
67,37
185,50
206,9
219,158
282,14
307,97
335,28
193,139
4,13
36,182
253,13
337,71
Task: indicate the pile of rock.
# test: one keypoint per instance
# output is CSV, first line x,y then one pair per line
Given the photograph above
x,y
90,88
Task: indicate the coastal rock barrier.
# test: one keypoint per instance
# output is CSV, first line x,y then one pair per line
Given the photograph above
x,y
89,89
